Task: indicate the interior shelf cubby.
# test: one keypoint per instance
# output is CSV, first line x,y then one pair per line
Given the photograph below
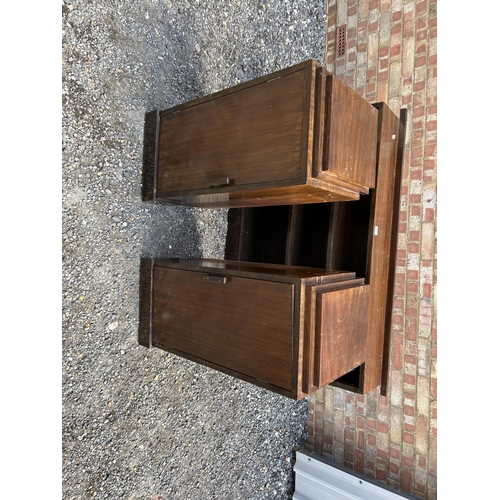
x,y
320,235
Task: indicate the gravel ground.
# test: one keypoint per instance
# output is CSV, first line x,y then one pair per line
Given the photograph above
x,y
139,423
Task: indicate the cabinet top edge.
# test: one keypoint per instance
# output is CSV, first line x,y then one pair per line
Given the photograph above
x,y
256,269
310,63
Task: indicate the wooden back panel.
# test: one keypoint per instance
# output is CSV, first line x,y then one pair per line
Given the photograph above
x,y
243,324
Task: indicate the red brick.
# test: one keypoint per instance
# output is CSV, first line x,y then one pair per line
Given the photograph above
x,y
381,475
429,214
418,86
397,351
421,7
349,435
408,462
409,410
360,423
410,360
421,23
373,4
429,164
371,423
361,440
360,459
406,480
383,454
397,319
434,352
415,209
411,329
419,487
422,461
412,287
418,124
434,388
409,30
394,453
352,11
383,52
371,439
430,149
408,438
396,16
383,428
421,35
395,50
432,125
394,468
414,247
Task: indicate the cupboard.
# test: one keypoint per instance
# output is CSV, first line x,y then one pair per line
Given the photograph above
x,y
311,173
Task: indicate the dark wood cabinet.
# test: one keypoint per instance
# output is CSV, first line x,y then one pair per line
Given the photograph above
x,y
289,329
311,173
295,136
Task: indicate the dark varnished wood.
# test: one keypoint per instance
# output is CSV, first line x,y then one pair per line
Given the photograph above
x,y
270,141
145,302
341,235
226,323
340,332
149,159
396,199
250,320
297,221
353,136
379,245
259,270
316,323
253,136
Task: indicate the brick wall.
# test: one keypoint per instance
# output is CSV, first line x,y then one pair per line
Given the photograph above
x,y
390,56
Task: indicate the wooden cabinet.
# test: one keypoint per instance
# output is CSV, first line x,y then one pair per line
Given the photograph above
x,y
311,173
289,329
296,136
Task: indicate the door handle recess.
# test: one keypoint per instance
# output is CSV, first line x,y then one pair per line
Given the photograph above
x,y
220,181
214,279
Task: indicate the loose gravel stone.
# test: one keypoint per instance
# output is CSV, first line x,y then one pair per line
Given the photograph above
x,y
139,423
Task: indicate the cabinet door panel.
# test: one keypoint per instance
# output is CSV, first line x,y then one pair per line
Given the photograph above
x,y
255,135
341,325
239,323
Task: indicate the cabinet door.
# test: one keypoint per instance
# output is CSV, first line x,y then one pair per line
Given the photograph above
x,y
251,136
238,323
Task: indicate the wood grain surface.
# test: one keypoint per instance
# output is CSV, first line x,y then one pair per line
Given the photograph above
x,y
242,324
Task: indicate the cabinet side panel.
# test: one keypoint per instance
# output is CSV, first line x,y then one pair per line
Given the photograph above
x,y
239,323
341,328
353,136
246,137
